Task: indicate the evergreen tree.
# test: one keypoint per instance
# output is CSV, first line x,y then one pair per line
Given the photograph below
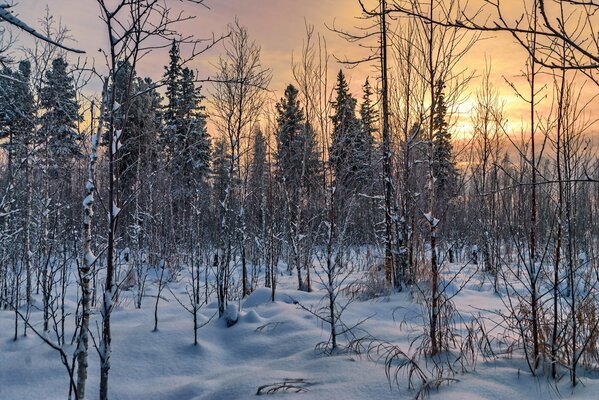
x,y
172,78
368,120
17,109
298,165
220,171
139,135
443,166
6,94
192,143
346,154
258,176
59,121
184,137
297,157
137,120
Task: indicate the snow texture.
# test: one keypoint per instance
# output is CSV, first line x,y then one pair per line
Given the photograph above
x,y
269,343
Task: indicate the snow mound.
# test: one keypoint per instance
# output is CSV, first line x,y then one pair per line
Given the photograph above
x,y
251,317
258,297
262,296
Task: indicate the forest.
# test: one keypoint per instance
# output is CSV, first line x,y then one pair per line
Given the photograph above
x,y
177,230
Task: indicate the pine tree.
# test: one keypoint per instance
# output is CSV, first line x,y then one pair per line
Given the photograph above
x,y
257,204
6,94
59,121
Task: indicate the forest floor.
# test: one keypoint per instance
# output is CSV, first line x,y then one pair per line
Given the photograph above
x,y
271,343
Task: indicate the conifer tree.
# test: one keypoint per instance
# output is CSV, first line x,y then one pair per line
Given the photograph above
x,y
59,121
298,166
258,175
297,156
345,152
18,118
138,133
192,143
443,165
17,109
219,171
184,136
365,143
172,78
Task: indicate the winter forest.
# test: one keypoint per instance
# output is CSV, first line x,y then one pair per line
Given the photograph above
x,y
400,201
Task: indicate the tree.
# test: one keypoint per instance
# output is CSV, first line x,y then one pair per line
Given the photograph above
x,y
238,98
192,143
7,16
59,121
368,121
379,54
172,77
570,23
89,258
184,136
298,166
130,26
346,156
442,158
18,118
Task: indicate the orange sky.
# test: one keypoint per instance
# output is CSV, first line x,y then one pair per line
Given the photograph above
x,y
278,26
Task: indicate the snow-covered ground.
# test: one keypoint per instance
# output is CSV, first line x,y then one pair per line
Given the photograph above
x,y
272,342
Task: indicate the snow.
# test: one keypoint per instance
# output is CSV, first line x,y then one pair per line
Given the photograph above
x,y
94,141
7,16
115,210
90,258
431,220
116,142
231,314
89,199
270,342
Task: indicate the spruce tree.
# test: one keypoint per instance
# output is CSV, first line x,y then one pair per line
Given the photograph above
x,y
298,166
365,143
172,77
6,94
184,136
345,152
443,165
219,170
297,157
192,143
258,176
61,115
17,109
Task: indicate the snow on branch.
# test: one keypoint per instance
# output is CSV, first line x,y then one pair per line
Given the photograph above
x,y
6,15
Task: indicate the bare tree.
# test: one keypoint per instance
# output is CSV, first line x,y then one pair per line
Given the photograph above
x,y
571,21
238,97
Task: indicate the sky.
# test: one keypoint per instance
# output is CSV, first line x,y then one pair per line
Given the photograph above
x,y
278,26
